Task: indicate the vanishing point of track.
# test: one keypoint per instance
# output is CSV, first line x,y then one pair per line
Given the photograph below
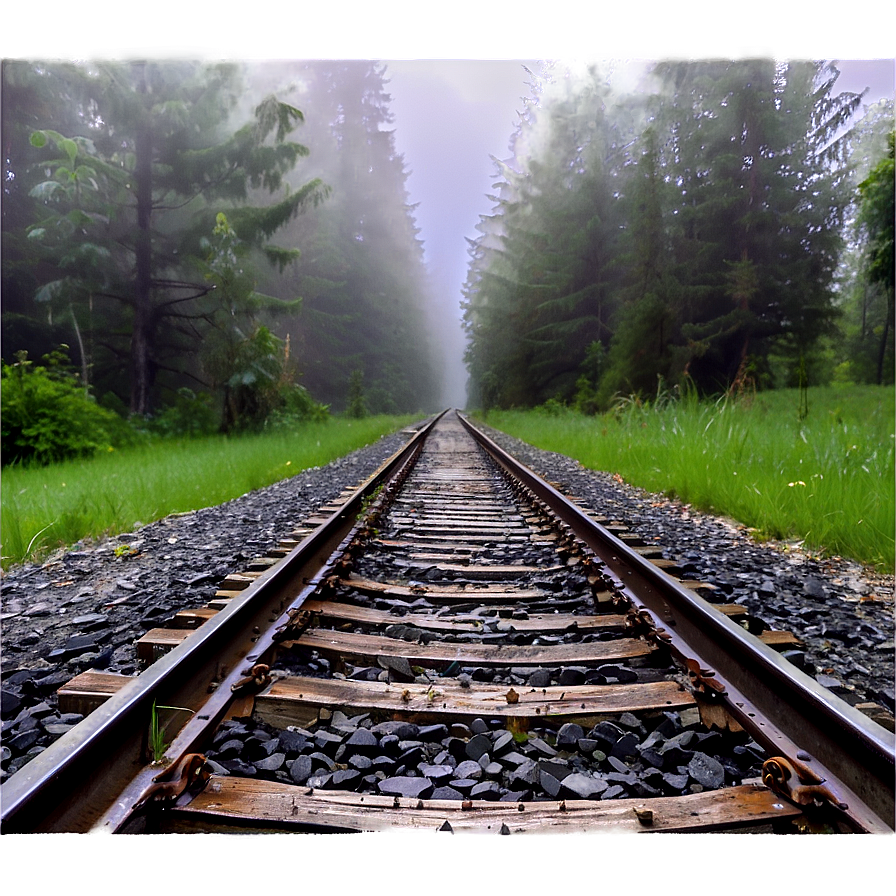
x,y
458,647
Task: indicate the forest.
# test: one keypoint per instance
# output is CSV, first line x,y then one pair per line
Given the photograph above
x,y
723,225
194,247
207,246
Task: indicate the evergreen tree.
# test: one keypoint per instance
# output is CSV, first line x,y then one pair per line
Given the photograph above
x,y
131,191
541,282
361,275
876,218
760,204
864,304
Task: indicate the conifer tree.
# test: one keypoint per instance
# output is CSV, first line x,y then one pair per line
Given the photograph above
x,y
132,190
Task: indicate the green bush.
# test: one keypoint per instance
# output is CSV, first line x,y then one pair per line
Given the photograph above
x,y
356,405
189,415
48,415
297,407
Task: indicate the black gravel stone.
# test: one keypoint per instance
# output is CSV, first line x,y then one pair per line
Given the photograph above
x,y
582,787
606,734
413,788
486,790
327,743
46,684
301,768
469,768
411,753
345,779
321,761
513,759
383,764
652,758
10,704
230,748
446,793
549,784
524,776
540,678
626,746
571,675
389,744
238,767
541,747
56,729
292,742
568,736
706,771
271,763
674,784
503,742
438,774
429,733
477,746
24,740
463,785
363,742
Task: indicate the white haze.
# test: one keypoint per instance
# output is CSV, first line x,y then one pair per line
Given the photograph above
x,y
457,74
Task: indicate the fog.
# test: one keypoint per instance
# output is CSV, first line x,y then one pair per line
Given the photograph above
x,y
450,117
457,77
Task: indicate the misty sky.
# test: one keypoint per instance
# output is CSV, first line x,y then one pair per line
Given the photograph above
x,y
451,116
452,109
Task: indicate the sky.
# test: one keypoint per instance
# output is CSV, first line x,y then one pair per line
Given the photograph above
x,y
456,75
451,117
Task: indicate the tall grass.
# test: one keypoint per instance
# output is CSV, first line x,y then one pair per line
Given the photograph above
x,y
47,507
826,480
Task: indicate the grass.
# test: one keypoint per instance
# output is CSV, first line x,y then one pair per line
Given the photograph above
x,y
49,507
826,480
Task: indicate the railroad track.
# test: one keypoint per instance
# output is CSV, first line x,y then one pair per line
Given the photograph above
x,y
457,647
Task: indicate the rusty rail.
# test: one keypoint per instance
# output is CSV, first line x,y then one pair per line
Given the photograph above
x,y
785,710
92,776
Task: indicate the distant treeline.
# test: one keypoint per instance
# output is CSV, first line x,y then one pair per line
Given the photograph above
x,y
722,226
222,244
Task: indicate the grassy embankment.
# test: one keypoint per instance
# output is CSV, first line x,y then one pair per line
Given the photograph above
x,y
827,480
48,507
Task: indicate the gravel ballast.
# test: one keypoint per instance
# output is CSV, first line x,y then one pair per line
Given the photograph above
x,y
86,607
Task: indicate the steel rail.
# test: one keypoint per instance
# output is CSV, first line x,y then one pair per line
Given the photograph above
x,y
782,708
83,781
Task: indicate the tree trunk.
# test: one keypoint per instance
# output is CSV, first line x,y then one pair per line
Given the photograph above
x,y
141,335
882,352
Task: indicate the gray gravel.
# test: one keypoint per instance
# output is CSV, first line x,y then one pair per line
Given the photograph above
x,y
841,611
85,607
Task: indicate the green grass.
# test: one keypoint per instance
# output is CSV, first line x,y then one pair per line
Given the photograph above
x,y
827,480
49,507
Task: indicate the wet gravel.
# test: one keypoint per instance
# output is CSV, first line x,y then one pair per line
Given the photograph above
x,y
843,613
86,607
662,754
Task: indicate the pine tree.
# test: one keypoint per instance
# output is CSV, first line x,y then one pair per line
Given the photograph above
x,y
760,205
361,275
132,191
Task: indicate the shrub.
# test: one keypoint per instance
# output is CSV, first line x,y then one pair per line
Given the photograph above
x,y
48,415
356,405
189,415
297,406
